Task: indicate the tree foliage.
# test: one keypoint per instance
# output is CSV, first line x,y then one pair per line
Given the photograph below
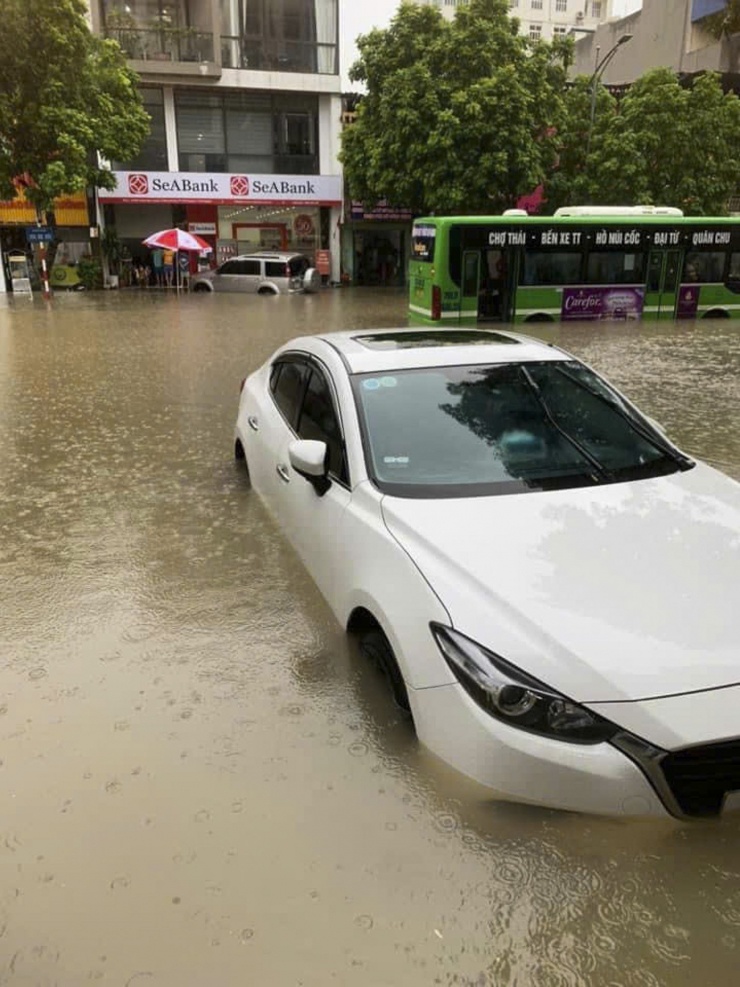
x,y
664,144
727,21
457,117
64,95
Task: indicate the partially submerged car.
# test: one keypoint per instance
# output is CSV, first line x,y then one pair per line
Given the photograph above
x,y
549,583
261,273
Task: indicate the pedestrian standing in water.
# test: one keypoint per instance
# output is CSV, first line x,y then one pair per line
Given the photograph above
x,y
168,266
157,263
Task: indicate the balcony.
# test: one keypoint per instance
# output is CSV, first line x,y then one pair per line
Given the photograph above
x,y
179,51
284,56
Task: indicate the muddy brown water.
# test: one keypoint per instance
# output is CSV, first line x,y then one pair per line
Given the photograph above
x,y
201,782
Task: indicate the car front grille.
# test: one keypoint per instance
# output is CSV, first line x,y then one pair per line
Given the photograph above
x,y
700,777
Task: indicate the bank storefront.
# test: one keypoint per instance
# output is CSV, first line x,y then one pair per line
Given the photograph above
x,y
234,213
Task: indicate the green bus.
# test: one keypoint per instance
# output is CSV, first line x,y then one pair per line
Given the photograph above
x,y
585,263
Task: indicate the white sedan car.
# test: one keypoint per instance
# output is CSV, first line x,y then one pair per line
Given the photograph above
x,y
551,586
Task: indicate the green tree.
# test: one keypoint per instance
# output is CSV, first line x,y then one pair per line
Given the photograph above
x,y
457,117
666,144
64,95
727,21
571,182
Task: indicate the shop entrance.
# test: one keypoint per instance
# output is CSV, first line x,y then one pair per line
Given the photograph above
x,y
379,257
13,241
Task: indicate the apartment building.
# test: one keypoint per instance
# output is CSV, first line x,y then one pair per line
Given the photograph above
x,y
671,33
543,19
245,102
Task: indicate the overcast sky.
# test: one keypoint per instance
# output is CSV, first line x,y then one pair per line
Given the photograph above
x,y
361,16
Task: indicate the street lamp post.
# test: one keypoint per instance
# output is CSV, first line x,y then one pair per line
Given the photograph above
x,y
598,72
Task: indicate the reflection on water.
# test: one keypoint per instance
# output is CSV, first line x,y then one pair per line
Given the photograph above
x,y
201,777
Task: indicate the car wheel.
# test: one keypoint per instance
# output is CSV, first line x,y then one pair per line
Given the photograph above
x,y
374,645
311,281
200,287
241,458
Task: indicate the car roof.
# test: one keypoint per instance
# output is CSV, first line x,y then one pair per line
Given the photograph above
x,y
368,351
267,255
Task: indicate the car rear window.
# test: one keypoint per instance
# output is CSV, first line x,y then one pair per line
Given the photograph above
x,y
298,266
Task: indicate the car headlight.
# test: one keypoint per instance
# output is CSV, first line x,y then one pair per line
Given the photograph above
x,y
515,697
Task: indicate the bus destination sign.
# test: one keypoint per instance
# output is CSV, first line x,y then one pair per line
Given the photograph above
x,y
619,238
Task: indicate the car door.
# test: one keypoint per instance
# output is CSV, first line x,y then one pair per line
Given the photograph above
x,y
313,523
272,415
237,274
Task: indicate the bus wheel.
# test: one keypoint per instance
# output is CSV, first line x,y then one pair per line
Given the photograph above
x,y
539,317
716,313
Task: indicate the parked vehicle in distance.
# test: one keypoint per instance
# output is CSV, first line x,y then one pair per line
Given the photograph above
x,y
549,583
263,273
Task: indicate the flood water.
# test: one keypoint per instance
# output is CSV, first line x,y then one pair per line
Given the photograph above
x,y
201,782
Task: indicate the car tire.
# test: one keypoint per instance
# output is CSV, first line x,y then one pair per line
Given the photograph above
x,y
200,287
240,458
375,646
311,281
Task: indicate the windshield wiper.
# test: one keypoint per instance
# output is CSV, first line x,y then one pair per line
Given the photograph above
x,y
683,462
601,470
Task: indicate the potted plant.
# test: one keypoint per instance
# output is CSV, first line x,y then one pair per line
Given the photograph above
x,y
113,251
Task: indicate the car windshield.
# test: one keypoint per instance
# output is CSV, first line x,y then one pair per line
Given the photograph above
x,y
481,430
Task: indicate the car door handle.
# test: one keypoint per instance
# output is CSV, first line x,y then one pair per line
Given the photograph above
x,y
282,472
253,423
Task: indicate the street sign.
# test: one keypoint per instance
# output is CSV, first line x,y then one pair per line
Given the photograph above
x,y
39,234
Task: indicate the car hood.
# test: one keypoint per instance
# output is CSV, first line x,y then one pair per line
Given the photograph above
x,y
619,592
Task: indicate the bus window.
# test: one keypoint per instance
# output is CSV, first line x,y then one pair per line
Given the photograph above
x,y
545,268
734,274
704,267
615,268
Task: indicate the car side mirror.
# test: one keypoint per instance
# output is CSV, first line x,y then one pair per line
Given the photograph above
x,y
309,459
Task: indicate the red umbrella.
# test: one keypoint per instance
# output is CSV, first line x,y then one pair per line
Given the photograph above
x,y
177,240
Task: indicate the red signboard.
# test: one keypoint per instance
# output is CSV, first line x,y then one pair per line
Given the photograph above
x,y
323,262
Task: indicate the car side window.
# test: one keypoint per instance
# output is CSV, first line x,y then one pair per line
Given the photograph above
x,y
318,420
274,269
289,388
246,267
230,267
274,374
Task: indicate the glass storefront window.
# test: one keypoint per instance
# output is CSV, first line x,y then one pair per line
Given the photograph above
x,y
153,153
259,132
250,228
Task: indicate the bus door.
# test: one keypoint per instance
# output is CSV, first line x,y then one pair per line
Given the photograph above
x,y
470,285
661,295
497,277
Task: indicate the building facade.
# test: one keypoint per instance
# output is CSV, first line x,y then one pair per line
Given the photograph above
x,y
670,33
543,19
245,102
